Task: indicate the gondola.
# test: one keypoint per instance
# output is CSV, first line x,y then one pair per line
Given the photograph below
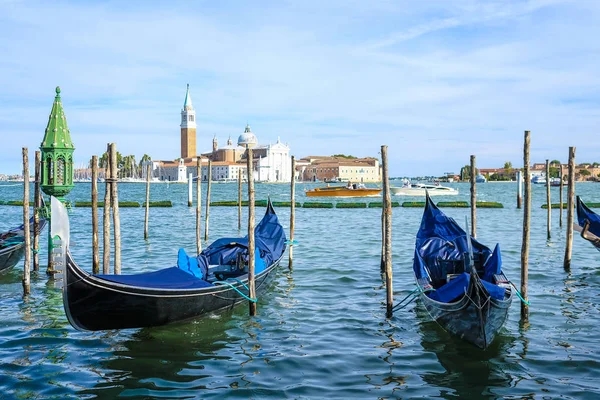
x,y
215,280
12,245
460,281
589,224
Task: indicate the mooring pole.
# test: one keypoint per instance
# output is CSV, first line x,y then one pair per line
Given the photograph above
x,y
208,200
387,209
198,204
526,223
548,200
292,210
26,232
239,199
115,206
382,264
560,196
251,287
37,204
570,207
95,249
106,216
190,182
519,188
473,198
147,214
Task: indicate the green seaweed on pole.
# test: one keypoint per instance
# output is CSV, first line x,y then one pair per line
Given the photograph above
x,y
101,204
285,204
557,205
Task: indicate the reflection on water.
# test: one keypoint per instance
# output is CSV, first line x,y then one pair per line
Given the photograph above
x,y
321,330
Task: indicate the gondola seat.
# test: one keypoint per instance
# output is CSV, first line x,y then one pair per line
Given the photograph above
x,y
168,278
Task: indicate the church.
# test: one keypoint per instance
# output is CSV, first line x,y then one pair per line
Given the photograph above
x,y
271,163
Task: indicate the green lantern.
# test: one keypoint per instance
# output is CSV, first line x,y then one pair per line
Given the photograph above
x,y
57,153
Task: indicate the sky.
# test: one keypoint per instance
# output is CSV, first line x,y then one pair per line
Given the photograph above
x,y
435,81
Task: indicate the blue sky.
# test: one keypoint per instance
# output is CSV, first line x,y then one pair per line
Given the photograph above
x,y
435,80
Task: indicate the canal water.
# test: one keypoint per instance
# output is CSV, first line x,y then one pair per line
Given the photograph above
x,y
321,330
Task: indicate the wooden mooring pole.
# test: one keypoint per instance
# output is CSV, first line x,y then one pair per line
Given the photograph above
x,y
560,196
526,223
387,210
26,232
198,204
190,192
115,207
208,200
239,199
147,213
95,249
570,208
106,217
548,200
473,198
251,286
519,188
292,211
37,204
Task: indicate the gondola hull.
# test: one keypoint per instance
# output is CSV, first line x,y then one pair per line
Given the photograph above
x,y
10,257
462,319
92,303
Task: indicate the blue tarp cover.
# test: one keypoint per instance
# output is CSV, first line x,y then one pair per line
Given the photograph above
x,y
584,213
270,245
440,247
168,278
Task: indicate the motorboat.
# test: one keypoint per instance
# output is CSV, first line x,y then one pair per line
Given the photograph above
x,y
419,189
343,191
480,179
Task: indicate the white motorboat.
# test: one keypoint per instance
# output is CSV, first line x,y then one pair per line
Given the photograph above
x,y
419,189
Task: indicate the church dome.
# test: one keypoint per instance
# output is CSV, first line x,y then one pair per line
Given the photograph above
x,y
247,139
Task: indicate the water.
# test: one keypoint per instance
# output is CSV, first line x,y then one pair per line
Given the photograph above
x,y
321,331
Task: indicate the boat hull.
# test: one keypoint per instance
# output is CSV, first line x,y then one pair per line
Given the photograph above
x,y
398,191
11,256
93,304
343,192
461,318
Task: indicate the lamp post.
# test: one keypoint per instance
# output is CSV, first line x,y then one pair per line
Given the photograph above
x,y
248,141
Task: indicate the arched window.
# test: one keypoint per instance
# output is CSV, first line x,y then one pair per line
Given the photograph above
x,y
50,170
60,171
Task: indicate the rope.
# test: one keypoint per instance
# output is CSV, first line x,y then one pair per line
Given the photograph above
x,y
236,289
414,295
291,242
519,295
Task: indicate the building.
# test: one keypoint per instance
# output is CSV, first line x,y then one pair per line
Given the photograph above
x,y
323,168
273,162
188,127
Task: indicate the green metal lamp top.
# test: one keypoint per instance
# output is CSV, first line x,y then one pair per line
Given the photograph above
x,y
57,135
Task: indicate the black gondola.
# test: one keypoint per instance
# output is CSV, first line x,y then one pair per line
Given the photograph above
x,y
589,224
12,245
213,281
460,280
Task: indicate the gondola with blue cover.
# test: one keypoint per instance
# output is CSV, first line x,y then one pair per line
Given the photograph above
x,y
12,244
213,281
461,282
589,224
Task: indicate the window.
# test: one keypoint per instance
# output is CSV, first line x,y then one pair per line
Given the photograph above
x,y
191,118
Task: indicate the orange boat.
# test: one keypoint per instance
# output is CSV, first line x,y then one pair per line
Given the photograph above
x,y
342,191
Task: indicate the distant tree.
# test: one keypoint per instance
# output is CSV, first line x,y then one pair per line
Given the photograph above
x,y
343,156
584,172
554,172
508,168
595,164
555,162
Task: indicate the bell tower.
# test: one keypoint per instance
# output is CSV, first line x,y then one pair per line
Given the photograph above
x,y
188,127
